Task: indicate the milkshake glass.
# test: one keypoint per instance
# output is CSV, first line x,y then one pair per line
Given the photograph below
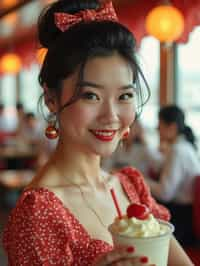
x,y
156,248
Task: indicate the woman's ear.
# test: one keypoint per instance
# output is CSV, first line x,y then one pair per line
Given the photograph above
x,y
50,100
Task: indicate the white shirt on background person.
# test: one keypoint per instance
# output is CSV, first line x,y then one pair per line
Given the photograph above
x,y
179,169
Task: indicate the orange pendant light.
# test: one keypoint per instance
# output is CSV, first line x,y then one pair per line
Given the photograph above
x,y
165,23
9,19
8,3
10,63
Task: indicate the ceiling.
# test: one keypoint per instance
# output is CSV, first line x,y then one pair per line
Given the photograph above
x,y
18,17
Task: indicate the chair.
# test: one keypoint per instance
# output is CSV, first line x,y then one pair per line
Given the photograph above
x,y
194,251
196,208
194,254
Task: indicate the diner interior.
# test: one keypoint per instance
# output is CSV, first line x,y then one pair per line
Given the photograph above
x,y
169,57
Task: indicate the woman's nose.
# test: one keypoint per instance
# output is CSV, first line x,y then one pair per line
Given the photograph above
x,y
109,113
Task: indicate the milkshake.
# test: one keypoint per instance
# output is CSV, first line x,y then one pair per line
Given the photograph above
x,y
149,236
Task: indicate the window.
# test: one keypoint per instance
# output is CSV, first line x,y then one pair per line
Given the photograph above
x,y
149,57
189,81
30,89
8,97
8,90
29,93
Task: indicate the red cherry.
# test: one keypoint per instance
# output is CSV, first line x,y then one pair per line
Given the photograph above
x,y
139,211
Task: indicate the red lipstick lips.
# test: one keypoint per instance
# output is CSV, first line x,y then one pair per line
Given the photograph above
x,y
104,135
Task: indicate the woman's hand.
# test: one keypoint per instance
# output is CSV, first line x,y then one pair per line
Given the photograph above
x,y
122,256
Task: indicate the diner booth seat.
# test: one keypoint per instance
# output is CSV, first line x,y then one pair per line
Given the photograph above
x,y
196,207
194,252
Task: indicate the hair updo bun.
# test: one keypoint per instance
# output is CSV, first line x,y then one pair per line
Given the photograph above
x,y
47,30
69,50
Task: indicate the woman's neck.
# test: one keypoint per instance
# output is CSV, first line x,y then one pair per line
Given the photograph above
x,y
174,139
77,167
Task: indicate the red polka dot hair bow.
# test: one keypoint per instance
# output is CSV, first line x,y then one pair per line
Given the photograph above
x,y
106,12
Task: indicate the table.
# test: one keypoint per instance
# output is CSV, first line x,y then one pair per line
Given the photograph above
x,y
15,179
12,183
18,157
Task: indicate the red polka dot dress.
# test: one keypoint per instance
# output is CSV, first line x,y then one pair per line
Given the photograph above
x,y
41,231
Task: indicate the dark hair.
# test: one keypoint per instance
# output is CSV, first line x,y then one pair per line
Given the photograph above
x,y
29,115
174,114
19,106
1,106
72,48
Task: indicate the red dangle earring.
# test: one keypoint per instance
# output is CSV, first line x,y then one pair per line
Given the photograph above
x,y
126,134
51,131
124,137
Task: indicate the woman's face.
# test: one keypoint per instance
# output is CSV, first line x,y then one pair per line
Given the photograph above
x,y
96,122
167,132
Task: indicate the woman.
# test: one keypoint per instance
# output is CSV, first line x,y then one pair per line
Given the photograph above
x,y
134,152
178,170
90,77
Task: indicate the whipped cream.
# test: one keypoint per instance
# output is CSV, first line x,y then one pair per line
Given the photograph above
x,y
133,227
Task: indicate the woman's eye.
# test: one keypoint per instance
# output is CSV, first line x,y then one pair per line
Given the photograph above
x,y
126,96
90,96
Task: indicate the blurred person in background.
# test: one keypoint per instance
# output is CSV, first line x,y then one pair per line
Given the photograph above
x,y
31,135
134,152
179,167
5,132
30,131
2,117
20,116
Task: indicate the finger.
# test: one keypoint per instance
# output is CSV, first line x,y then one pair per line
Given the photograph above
x,y
122,263
119,253
136,261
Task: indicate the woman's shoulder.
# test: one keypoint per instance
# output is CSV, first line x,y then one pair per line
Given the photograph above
x,y
34,204
46,176
41,199
183,149
130,173
126,174
138,191
132,181
182,144
38,194
35,226
124,171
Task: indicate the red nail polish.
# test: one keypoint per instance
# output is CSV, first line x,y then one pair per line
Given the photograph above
x,y
130,249
144,259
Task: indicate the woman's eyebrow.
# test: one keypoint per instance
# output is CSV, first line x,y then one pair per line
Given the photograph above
x,y
98,86
129,86
90,84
